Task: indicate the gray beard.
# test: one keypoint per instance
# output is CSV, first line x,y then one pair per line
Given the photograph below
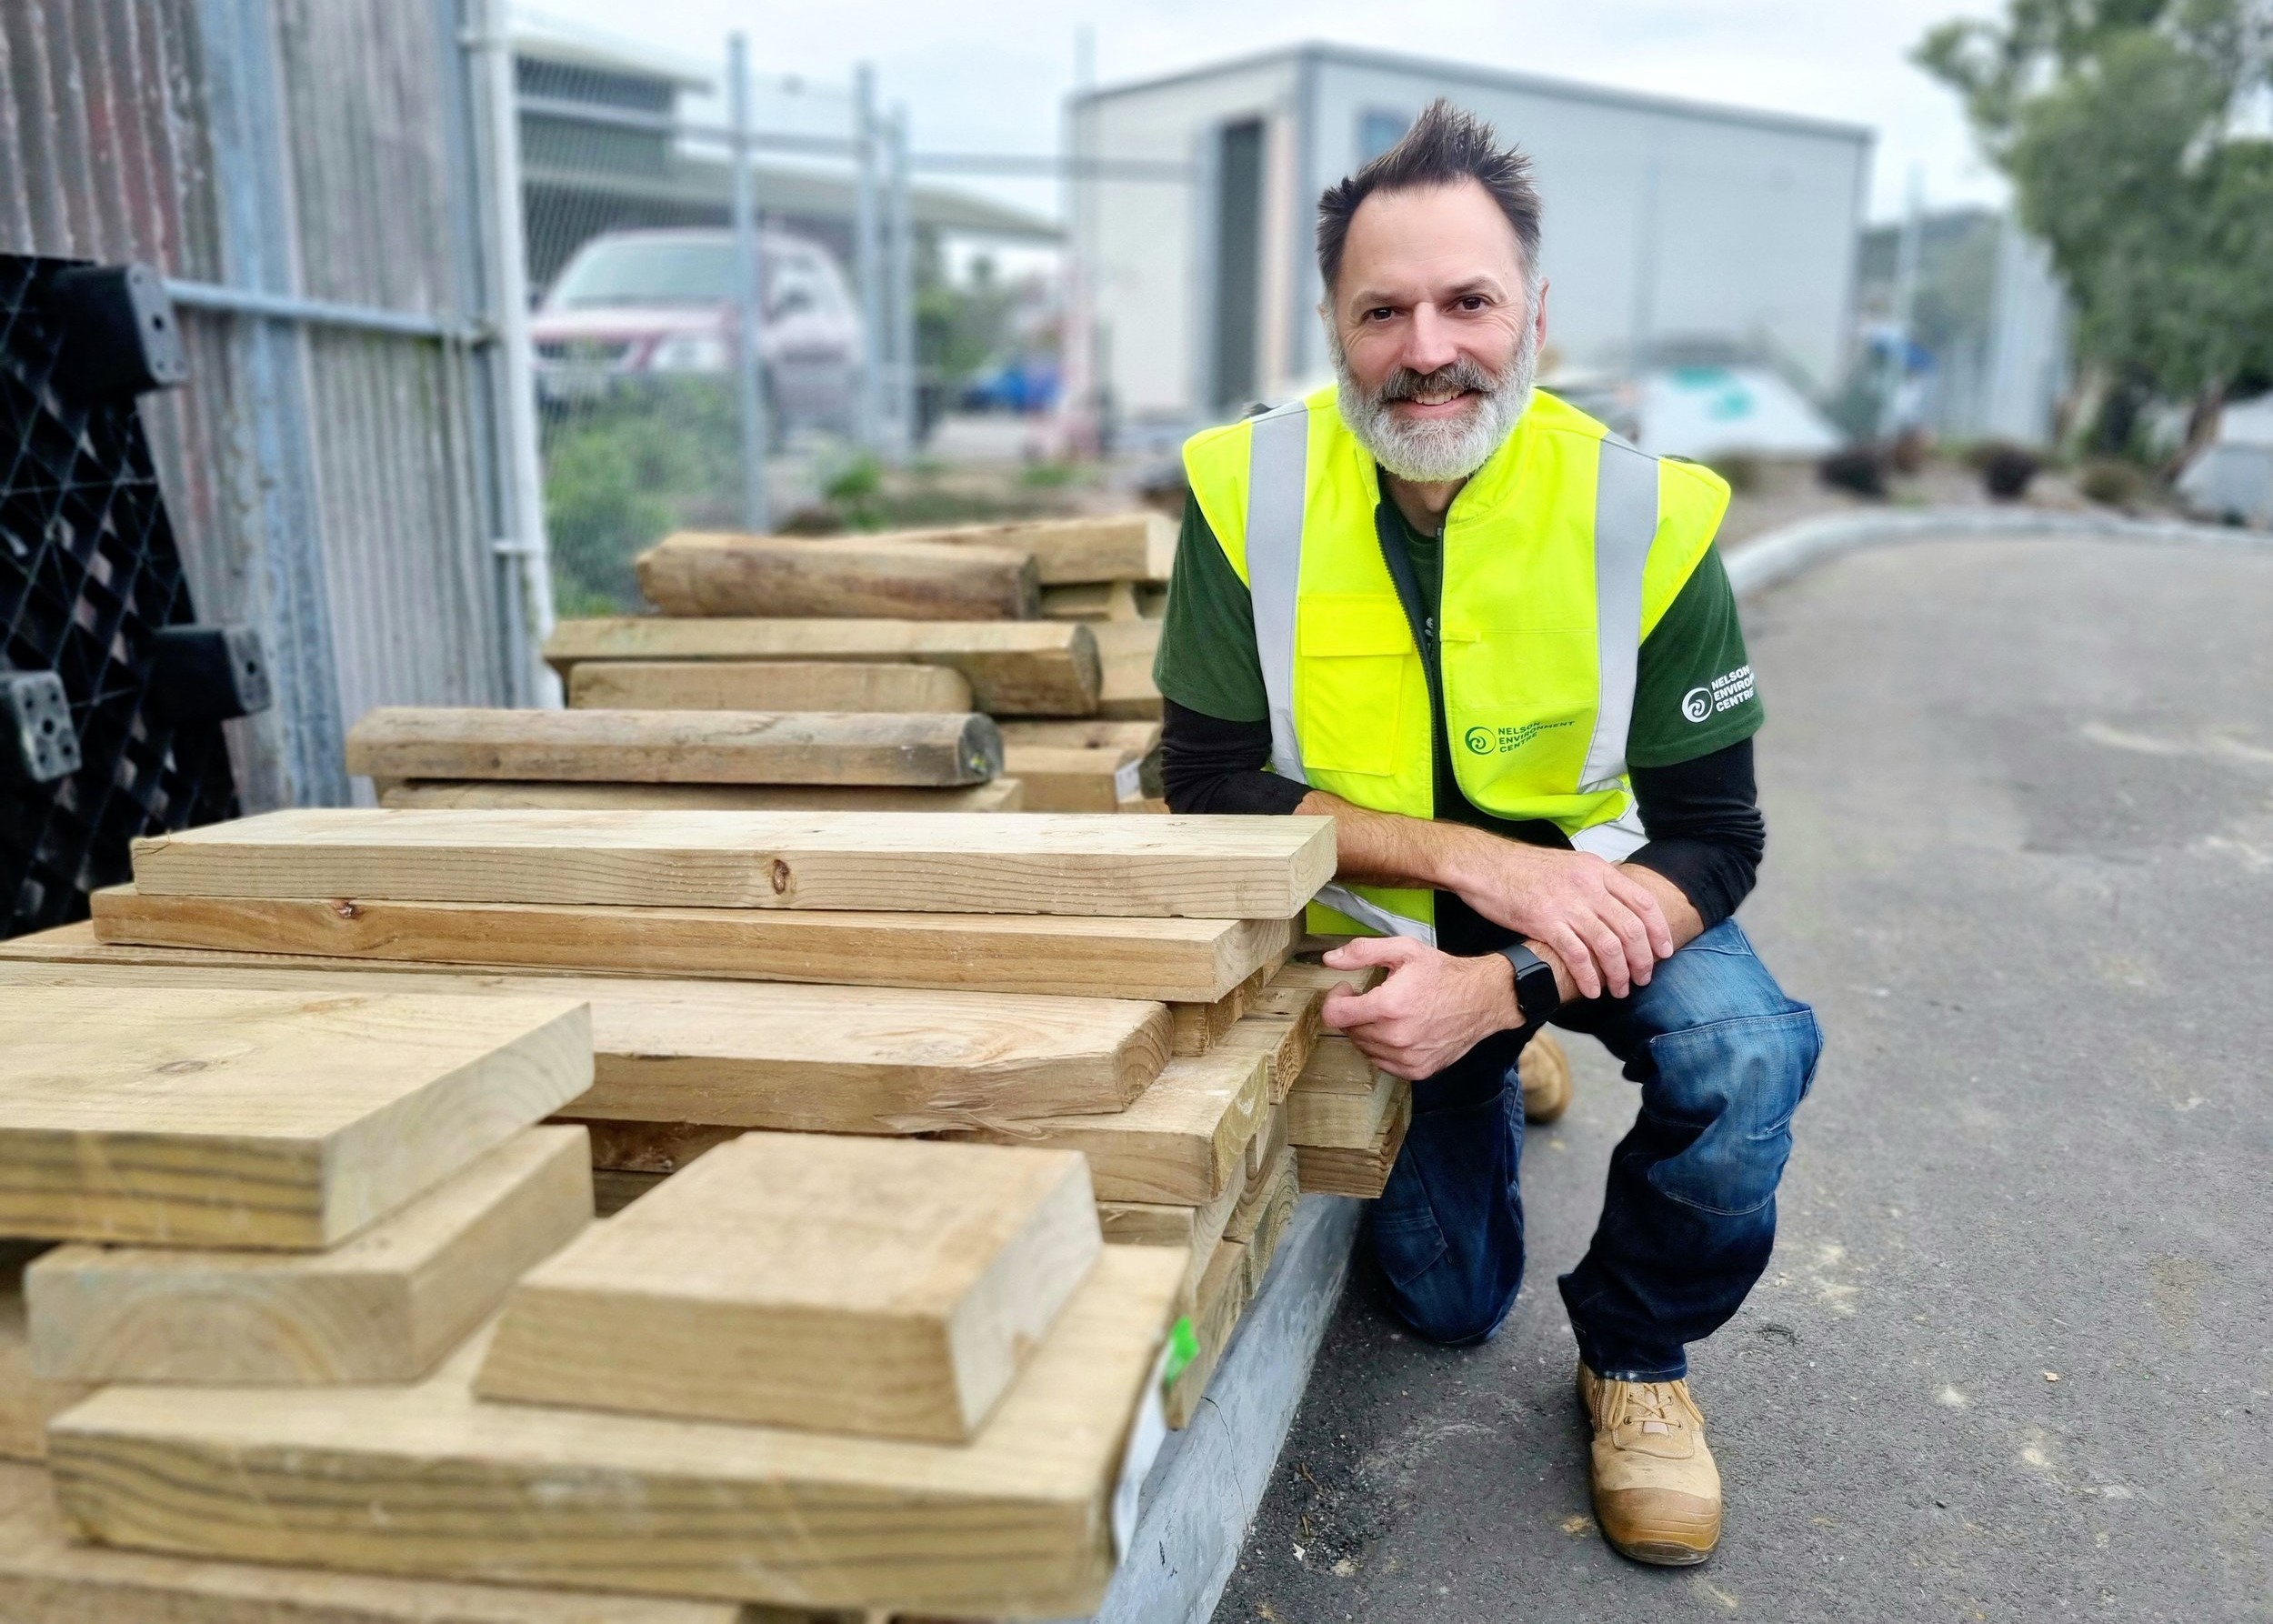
x,y
1439,451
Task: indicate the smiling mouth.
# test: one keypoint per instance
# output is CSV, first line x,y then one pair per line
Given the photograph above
x,y
1437,397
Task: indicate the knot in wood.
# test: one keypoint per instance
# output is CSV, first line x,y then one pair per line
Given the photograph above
x,y
347,909
777,874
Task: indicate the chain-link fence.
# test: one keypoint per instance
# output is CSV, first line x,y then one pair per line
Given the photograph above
x,y
668,215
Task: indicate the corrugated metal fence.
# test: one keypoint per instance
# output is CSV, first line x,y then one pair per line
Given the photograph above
x,y
334,481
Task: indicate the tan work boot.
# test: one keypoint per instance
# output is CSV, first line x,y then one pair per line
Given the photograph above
x,y
1656,1492
1545,1070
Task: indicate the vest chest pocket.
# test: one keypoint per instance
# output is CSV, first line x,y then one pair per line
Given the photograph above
x,y
1353,662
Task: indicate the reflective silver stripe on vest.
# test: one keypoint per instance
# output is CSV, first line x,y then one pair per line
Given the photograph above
x,y
1278,459
1625,524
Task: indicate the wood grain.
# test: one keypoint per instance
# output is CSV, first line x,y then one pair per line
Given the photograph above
x,y
1264,1212
1014,668
1125,651
1081,780
766,684
26,1401
1360,1173
1182,1141
426,1479
1082,733
205,1117
1282,1040
886,1287
1001,795
1117,546
46,1579
933,749
1011,863
1192,1231
1222,1298
385,1306
1198,961
826,1059
843,576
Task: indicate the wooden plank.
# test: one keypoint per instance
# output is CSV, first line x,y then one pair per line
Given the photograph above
x,y
1197,960
1332,1121
1082,733
204,1117
426,1479
1301,989
1092,600
1360,1173
1014,668
1192,1231
1200,1027
1001,795
1284,1041
1117,546
1010,863
1125,651
383,1307
1265,1215
1183,1140
841,576
766,684
1336,1066
933,749
1223,1297
26,1401
1269,1139
1078,780
825,1060
886,1287
47,1579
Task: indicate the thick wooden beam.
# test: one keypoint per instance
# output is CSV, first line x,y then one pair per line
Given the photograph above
x,y
887,1287
765,685
1082,733
1360,1173
1014,668
385,1306
1182,960
1095,600
1223,1297
676,746
948,862
1001,795
26,1401
825,1059
842,576
46,1576
1127,649
426,1479
204,1117
1079,780
1181,1141
1115,546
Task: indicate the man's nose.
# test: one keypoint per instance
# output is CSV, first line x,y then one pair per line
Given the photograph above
x,y
1428,342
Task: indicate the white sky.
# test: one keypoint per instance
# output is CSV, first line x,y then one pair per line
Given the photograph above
x,y
991,74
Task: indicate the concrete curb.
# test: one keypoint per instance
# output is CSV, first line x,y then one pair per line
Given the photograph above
x,y
1208,1483
1780,555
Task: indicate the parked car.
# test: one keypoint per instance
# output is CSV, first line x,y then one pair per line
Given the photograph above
x,y
650,303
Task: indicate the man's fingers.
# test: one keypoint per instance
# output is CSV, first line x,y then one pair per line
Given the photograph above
x,y
1645,904
1576,958
1343,1010
1634,934
1609,955
1364,951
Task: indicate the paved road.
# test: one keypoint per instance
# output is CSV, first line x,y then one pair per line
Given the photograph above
x,y
2020,813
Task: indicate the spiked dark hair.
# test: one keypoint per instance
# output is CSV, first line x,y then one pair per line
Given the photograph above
x,y
1445,145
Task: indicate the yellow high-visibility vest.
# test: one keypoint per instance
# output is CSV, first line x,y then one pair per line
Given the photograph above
x,y
1560,554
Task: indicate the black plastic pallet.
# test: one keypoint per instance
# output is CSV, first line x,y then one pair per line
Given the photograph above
x,y
89,573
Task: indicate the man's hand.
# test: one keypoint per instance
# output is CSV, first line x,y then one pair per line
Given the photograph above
x,y
1603,924
1430,1009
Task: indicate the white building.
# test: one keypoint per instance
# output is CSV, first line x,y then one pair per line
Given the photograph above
x,y
1670,227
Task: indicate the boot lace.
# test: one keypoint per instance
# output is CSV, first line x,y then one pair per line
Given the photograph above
x,y
1655,1409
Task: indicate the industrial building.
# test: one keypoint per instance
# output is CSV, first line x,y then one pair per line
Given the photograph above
x,y
1672,228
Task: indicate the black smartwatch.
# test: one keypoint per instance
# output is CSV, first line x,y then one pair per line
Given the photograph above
x,y
1535,994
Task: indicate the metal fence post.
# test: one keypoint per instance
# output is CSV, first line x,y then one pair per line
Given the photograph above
x,y
906,419
523,539
749,300
867,269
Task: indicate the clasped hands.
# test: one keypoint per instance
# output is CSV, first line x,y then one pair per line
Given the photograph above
x,y
1599,926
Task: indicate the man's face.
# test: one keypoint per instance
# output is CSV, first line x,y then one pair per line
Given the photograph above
x,y
1435,337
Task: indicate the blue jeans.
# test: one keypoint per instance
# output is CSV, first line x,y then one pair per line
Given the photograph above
x,y
1723,1058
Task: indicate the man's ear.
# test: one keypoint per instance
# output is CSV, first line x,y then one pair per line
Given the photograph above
x,y
1539,316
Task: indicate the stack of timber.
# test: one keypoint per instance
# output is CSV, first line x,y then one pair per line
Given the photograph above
x,y
1047,619
1113,987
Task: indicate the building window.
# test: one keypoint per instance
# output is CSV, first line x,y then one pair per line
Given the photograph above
x,y
1377,131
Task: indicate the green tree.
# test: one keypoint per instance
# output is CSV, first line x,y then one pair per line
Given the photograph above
x,y
2128,129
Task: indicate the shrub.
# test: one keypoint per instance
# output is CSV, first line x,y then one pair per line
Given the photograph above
x,y
2113,483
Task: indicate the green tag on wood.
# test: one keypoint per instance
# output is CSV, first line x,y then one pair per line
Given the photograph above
x,y
1183,1348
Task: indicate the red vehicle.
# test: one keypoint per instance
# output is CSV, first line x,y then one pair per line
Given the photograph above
x,y
634,305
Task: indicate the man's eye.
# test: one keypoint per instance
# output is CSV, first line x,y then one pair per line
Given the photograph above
x,y
1473,302
1381,313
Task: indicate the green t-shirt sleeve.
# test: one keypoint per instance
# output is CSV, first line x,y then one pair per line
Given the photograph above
x,y
1693,690
1207,661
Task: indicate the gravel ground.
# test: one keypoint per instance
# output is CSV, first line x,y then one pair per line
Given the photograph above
x,y
2012,1358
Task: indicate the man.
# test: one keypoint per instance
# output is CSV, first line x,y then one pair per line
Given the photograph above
x,y
1496,645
